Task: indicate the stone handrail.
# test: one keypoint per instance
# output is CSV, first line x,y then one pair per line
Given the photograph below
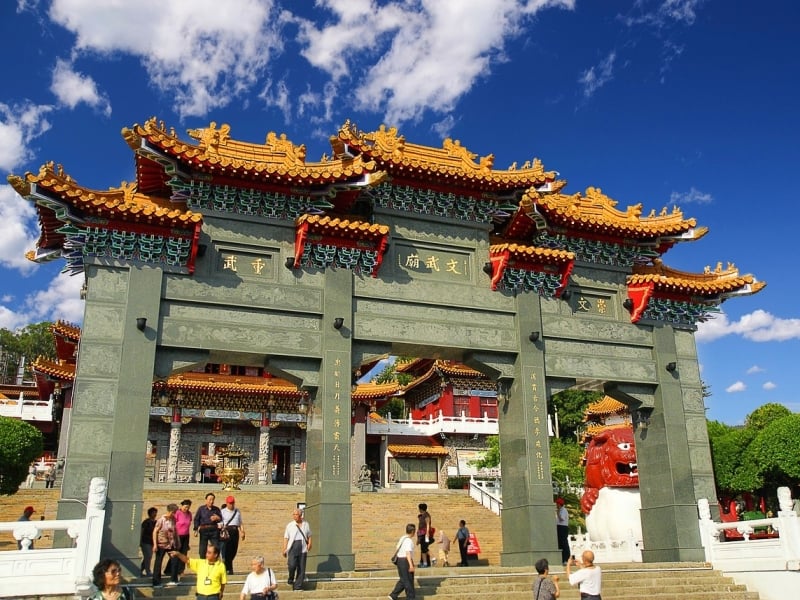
x,y
781,553
487,493
32,571
434,426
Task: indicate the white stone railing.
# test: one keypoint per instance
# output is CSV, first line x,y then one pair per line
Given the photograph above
x,y
32,571
781,553
488,493
27,410
434,426
606,551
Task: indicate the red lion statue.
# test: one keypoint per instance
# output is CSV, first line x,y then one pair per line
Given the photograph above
x,y
610,462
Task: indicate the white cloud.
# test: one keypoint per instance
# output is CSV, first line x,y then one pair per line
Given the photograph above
x,y
203,53
277,95
71,88
596,77
667,11
444,127
754,369
758,326
768,385
406,58
693,196
20,230
19,126
739,386
61,300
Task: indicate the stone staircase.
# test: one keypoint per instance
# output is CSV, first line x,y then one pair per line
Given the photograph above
x,y
620,582
378,521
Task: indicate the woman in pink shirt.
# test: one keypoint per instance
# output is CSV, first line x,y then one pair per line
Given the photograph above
x,y
183,525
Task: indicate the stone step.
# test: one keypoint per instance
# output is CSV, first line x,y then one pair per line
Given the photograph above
x,y
673,584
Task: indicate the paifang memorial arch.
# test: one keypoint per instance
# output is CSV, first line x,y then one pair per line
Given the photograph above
x,y
248,254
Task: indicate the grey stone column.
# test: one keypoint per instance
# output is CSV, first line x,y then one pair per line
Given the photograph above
x,y
174,448
111,403
264,458
529,531
666,477
328,510
359,442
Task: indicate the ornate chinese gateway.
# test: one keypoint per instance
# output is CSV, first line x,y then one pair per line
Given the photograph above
x,y
236,285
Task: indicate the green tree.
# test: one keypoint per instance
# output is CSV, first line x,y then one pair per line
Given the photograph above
x,y
22,444
491,459
565,462
766,414
776,452
571,406
395,408
733,471
32,341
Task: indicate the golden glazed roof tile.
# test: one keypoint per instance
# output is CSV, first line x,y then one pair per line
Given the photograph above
x,y
453,368
368,391
216,150
596,212
334,226
57,369
709,283
451,161
532,253
606,406
417,450
66,330
236,384
121,203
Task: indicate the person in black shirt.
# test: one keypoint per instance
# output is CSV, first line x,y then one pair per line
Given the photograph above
x,y
146,541
206,524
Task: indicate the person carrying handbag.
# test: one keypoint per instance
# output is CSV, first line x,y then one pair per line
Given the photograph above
x,y
260,583
231,532
405,564
165,541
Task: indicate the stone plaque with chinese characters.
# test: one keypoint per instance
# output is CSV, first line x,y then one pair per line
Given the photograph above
x,y
336,407
442,264
247,264
593,304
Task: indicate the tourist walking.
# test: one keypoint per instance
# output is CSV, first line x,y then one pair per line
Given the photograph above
x,y
462,538
206,524
296,544
165,543
404,551
50,477
231,532
562,529
31,478
146,541
544,587
25,516
211,575
425,533
588,578
260,583
183,524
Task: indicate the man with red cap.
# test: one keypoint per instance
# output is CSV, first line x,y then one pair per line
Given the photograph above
x,y
26,516
562,529
233,532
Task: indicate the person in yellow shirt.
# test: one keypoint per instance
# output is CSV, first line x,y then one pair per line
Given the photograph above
x,y
211,574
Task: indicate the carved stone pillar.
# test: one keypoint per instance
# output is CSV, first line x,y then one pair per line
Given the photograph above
x,y
264,457
174,446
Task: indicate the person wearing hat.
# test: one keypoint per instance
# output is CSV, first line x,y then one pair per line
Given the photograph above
x,y
562,529
26,516
231,531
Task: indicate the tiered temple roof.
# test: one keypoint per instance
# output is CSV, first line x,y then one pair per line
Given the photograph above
x,y
538,233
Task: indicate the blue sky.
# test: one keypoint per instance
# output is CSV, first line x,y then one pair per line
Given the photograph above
x,y
664,102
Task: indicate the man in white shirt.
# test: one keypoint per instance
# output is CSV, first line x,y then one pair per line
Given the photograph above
x,y
588,579
296,544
